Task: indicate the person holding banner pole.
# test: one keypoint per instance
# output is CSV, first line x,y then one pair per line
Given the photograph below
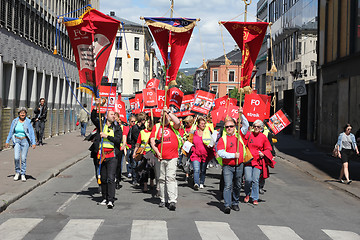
x,y
168,159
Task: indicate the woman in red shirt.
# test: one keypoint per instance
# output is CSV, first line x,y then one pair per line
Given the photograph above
x,y
260,148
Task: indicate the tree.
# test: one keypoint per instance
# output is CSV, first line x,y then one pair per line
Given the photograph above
x,y
234,93
185,83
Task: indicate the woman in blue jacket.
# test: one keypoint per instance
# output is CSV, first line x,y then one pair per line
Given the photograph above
x,y
22,135
346,146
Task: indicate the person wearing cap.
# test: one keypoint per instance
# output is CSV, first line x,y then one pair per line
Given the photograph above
x,y
22,135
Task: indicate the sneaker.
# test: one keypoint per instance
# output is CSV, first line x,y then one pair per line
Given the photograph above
x,y
255,202
162,204
227,210
196,187
261,191
342,181
246,199
201,186
172,206
16,177
23,178
348,182
103,202
129,175
235,208
110,205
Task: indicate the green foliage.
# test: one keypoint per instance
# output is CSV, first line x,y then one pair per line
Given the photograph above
x,y
234,93
185,83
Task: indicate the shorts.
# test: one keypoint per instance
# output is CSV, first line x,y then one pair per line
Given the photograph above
x,y
346,155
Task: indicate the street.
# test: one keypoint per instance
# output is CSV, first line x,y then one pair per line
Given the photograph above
x,y
295,206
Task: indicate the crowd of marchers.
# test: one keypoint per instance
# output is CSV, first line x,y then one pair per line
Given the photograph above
x,y
153,150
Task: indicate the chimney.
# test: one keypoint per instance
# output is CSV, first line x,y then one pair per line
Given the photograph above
x,y
112,13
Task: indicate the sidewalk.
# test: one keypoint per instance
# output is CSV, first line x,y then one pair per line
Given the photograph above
x,y
43,163
318,162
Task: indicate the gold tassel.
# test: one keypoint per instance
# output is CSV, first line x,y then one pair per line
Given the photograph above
x,y
241,90
147,58
247,90
227,61
55,51
273,68
128,54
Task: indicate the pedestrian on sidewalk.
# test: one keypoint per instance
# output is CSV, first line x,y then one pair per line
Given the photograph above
x,y
346,145
39,120
83,119
22,134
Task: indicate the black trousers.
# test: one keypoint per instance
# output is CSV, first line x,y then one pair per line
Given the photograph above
x,y
108,170
119,158
39,129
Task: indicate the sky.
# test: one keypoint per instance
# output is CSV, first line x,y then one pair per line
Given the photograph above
x,y
206,38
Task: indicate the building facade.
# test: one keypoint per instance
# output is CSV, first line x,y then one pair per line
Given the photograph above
x,y
294,38
339,72
222,78
127,64
28,68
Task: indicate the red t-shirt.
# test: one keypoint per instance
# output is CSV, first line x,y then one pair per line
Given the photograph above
x,y
231,147
170,143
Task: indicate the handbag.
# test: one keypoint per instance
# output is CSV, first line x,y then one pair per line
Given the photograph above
x,y
77,123
139,153
335,152
248,156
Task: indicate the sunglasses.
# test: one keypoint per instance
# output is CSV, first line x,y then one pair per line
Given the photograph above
x,y
132,121
231,126
257,127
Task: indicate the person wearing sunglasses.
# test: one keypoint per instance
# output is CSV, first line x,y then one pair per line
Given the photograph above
x,y
346,145
232,160
260,149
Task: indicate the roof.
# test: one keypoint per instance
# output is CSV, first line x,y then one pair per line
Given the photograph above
x,y
125,21
234,56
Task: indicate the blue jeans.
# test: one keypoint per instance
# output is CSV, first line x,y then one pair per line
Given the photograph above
x,y
83,128
199,172
252,176
20,150
232,184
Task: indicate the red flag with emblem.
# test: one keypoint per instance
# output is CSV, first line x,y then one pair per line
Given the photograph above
x,y
91,37
249,36
120,108
153,83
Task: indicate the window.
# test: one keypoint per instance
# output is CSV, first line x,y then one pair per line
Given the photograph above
x,y
136,86
231,76
136,43
215,89
120,86
229,88
118,43
136,64
118,63
215,75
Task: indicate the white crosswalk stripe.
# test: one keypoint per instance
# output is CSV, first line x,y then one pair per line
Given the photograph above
x,y
279,232
79,229
341,235
149,230
85,229
17,228
215,231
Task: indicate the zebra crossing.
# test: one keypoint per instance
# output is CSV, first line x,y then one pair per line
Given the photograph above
x,y
84,229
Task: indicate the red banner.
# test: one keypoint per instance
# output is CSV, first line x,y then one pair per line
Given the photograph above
x,y
160,101
203,102
150,98
249,37
225,101
132,104
139,104
257,106
120,108
233,111
186,105
107,96
278,122
91,37
174,99
172,36
153,83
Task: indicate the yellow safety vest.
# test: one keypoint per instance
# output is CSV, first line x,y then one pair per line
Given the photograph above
x,y
224,137
206,137
145,136
109,132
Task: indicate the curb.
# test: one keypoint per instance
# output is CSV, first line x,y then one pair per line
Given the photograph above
x,y
284,157
9,198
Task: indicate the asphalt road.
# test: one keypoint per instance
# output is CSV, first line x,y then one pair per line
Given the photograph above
x,y
295,206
